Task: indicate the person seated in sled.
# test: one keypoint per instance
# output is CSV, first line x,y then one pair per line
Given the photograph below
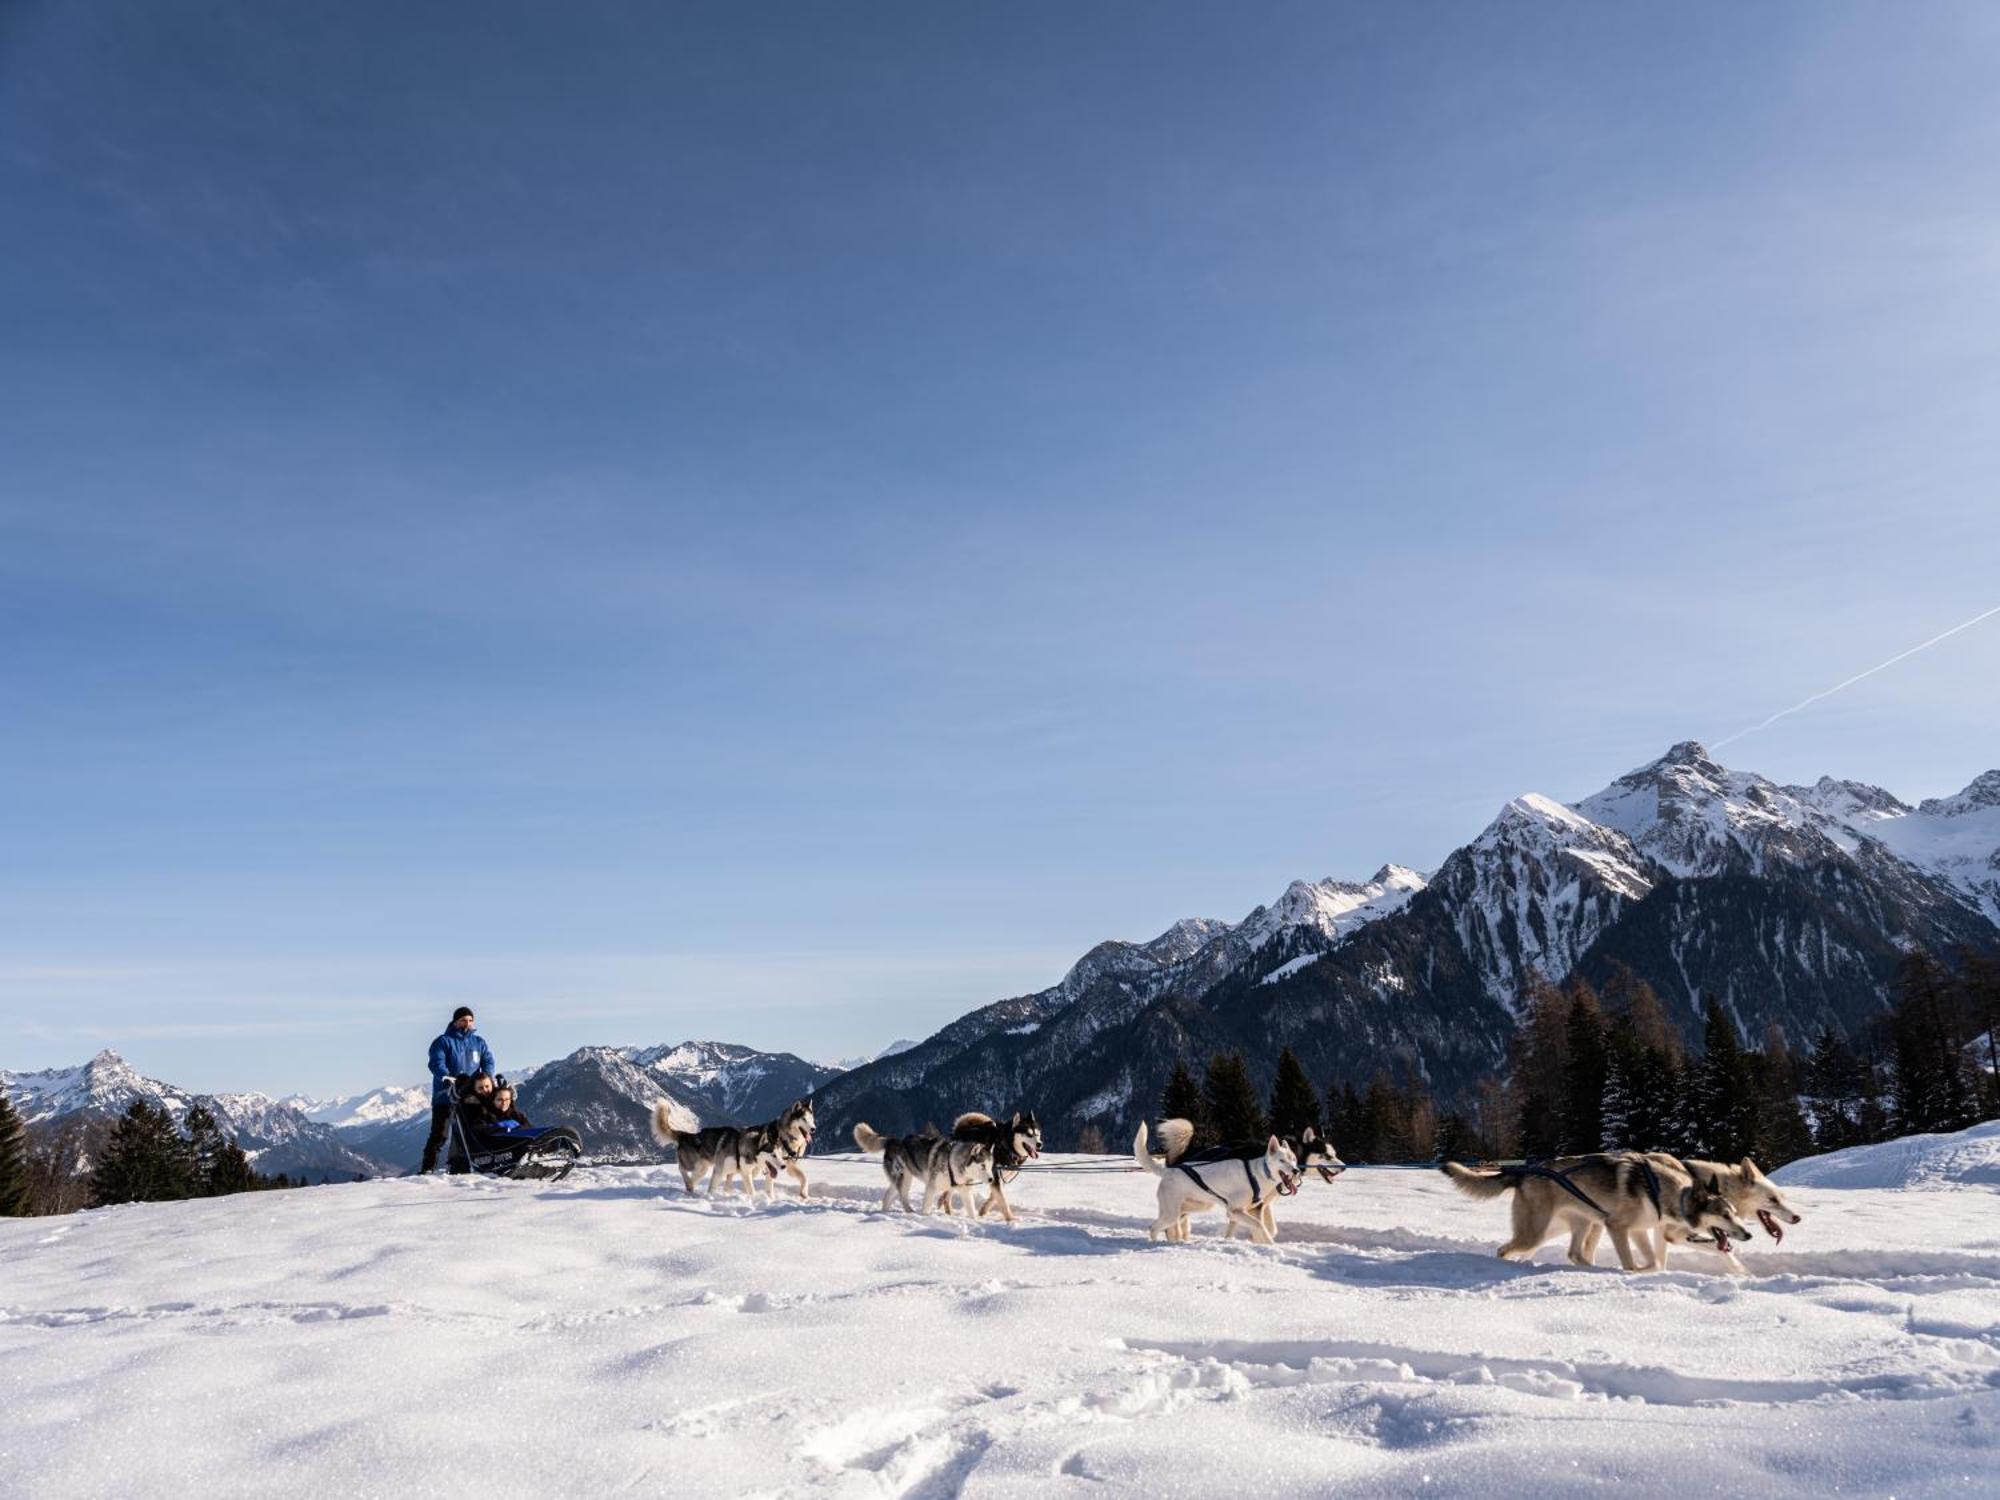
x,y
502,1114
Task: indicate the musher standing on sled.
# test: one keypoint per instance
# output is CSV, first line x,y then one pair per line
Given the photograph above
x,y
459,1052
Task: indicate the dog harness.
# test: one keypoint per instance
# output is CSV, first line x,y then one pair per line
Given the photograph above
x,y
1561,1180
1249,1170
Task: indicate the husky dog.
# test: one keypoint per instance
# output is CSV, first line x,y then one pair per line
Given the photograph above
x,y
980,1149
1240,1185
1313,1153
755,1153
905,1159
1625,1194
1749,1192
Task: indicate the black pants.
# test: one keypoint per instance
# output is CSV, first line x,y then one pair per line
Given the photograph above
x,y
440,1127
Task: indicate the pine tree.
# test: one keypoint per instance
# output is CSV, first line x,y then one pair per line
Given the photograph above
x,y
1294,1103
205,1143
1781,1133
1979,989
1347,1124
1538,1061
13,1161
1233,1111
1724,1089
1927,1062
1182,1100
1622,1058
1831,1083
231,1172
1090,1141
1453,1140
1871,1112
1584,1070
145,1159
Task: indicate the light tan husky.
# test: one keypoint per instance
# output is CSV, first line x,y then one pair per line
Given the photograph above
x,y
1749,1191
1584,1196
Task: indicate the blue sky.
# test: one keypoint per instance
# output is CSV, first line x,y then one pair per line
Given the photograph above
x,y
788,523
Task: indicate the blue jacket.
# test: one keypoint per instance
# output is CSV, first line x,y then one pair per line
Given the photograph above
x,y
458,1054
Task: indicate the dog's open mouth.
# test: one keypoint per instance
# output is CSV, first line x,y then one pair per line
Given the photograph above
x,y
1327,1174
1771,1225
1288,1184
1721,1239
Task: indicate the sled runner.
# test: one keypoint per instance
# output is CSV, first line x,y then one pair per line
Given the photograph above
x,y
525,1153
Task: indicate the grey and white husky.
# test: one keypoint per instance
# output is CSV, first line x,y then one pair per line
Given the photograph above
x,y
1242,1186
980,1150
1750,1194
721,1153
1625,1194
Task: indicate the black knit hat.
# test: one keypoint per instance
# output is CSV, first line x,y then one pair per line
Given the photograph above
x,y
461,1013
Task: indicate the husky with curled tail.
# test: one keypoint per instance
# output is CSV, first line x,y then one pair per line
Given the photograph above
x,y
1240,1185
905,1160
723,1153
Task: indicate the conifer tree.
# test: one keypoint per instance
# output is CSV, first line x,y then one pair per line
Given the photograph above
x,y
13,1161
1724,1089
145,1159
1832,1085
231,1172
1294,1102
1182,1100
1781,1133
205,1143
1622,1056
1347,1124
1927,1062
1585,1067
1538,1058
1234,1113
1453,1140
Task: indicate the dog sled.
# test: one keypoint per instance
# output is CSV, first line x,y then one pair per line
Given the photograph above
x,y
523,1153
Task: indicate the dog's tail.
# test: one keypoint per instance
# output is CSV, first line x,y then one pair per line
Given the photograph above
x,y
671,1119
972,1126
869,1139
1481,1184
1144,1157
1176,1136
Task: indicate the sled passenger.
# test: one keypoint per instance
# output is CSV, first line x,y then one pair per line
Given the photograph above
x,y
458,1052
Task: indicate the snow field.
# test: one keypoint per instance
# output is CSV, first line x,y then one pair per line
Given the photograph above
x,y
608,1334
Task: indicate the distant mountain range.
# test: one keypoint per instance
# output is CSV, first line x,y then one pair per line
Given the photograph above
x,y
607,1093
1792,904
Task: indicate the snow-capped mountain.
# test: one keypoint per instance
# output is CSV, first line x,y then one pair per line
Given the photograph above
x,y
998,1052
275,1136
1792,904
388,1105
725,1082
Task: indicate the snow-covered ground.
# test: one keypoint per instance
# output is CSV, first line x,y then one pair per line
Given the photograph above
x,y
608,1335
1965,1158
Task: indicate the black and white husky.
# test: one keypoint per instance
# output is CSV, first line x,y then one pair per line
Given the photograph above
x,y
979,1150
1312,1151
720,1153
1241,1184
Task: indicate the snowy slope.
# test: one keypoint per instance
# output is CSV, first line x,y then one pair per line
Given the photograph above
x,y
1964,1158
640,1342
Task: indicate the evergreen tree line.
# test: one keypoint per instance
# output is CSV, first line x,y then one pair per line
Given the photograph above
x,y
143,1158
147,1160
1591,1071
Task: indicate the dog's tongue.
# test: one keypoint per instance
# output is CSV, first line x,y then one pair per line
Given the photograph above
x,y
1771,1226
1721,1240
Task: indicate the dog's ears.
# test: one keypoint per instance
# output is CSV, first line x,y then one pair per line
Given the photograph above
x,y
1715,1184
1272,1144
1749,1169
1309,1137
1015,1123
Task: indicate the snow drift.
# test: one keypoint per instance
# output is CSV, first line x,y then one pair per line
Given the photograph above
x,y
1965,1158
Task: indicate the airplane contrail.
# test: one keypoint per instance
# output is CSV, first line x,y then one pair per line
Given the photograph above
x,y
1879,666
